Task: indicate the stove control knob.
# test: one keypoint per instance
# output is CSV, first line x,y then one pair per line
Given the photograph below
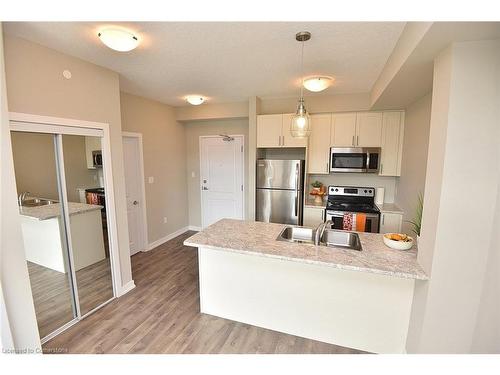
x,y
370,191
366,191
336,189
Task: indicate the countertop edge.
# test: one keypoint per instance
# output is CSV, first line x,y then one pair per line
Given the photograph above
x,y
400,275
48,217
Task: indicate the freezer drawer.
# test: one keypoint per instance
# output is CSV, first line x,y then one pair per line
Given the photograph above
x,y
279,206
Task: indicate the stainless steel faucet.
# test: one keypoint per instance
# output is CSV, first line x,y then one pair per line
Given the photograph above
x,y
319,231
22,197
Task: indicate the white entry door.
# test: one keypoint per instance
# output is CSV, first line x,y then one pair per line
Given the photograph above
x,y
134,192
221,175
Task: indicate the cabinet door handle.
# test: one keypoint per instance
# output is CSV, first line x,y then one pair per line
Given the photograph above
x,y
383,219
353,140
357,140
282,140
381,168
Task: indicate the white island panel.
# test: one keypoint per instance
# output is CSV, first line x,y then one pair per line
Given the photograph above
x,y
360,310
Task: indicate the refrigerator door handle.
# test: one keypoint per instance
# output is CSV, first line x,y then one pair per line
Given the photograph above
x,y
297,190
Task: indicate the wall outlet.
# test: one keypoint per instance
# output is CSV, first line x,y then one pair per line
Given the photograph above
x,y
164,220
151,180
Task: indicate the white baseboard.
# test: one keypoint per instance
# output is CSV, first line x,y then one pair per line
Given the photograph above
x,y
126,288
168,237
195,228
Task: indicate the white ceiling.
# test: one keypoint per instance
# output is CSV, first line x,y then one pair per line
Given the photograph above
x,y
227,61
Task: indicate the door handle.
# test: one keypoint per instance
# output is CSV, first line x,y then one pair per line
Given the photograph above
x,y
135,203
353,140
357,140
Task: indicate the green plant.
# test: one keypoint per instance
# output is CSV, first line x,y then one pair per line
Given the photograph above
x,y
316,184
417,221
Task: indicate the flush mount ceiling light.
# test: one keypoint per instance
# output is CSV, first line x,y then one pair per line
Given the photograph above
x,y
317,84
301,124
118,39
195,99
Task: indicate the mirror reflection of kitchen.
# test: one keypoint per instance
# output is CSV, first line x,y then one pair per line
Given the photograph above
x,y
58,296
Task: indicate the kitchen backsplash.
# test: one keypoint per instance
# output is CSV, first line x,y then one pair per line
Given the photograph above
x,y
356,179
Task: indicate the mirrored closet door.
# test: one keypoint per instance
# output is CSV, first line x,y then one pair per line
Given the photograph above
x,y
62,205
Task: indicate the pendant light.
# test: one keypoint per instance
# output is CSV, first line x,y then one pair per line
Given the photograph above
x,y
301,123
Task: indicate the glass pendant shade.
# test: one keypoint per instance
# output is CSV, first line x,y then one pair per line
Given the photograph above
x,y
301,123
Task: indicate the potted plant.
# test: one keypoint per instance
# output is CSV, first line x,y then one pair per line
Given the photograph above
x,y
316,185
417,220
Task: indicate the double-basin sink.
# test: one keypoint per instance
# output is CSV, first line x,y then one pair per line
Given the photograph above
x,y
329,237
36,202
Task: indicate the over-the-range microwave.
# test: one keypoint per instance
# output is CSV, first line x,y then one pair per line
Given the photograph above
x,y
354,159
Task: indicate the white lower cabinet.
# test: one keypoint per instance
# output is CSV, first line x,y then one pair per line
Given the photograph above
x,y
313,216
390,222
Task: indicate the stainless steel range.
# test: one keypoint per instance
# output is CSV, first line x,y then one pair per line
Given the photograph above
x,y
353,208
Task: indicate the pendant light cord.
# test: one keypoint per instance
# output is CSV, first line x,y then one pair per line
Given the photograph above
x,y
302,73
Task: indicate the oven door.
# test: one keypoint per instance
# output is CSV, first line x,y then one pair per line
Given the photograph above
x,y
337,218
354,159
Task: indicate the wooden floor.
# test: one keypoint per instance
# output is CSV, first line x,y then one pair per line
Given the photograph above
x,y
161,315
52,297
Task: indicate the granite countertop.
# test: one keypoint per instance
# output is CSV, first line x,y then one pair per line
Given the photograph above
x,y
390,208
50,211
309,202
257,238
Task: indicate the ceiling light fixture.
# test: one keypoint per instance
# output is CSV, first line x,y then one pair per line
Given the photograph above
x,y
118,39
195,99
301,124
317,84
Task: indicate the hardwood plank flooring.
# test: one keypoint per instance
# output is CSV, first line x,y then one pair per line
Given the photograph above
x,y
52,297
161,315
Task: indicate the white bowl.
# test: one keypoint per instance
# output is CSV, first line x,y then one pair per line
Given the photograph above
x,y
398,245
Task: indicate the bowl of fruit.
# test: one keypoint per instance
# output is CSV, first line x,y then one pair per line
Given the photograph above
x,y
398,241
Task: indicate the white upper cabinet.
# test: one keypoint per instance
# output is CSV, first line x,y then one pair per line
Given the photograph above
x,y
343,133
288,140
319,144
392,143
369,129
274,131
269,130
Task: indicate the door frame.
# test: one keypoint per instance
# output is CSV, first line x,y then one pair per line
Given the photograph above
x,y
144,244
242,175
47,124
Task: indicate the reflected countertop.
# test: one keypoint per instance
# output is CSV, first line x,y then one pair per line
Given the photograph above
x,y
50,211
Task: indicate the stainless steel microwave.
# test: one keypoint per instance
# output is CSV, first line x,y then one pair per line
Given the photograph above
x,y
354,159
97,158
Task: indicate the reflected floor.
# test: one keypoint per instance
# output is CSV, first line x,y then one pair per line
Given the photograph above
x,y
52,295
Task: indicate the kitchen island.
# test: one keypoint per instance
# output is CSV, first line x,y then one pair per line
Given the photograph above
x,y
44,245
358,299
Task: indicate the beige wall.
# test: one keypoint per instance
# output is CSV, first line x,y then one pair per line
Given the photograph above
x,y
317,104
450,311
164,159
34,164
193,132
35,85
414,162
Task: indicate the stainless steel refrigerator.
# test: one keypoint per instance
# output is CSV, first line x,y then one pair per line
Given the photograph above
x,y
280,191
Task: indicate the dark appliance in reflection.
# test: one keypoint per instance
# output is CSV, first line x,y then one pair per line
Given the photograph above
x,y
98,197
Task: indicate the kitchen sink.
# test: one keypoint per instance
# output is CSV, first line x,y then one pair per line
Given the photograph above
x,y
35,202
338,238
297,234
330,238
